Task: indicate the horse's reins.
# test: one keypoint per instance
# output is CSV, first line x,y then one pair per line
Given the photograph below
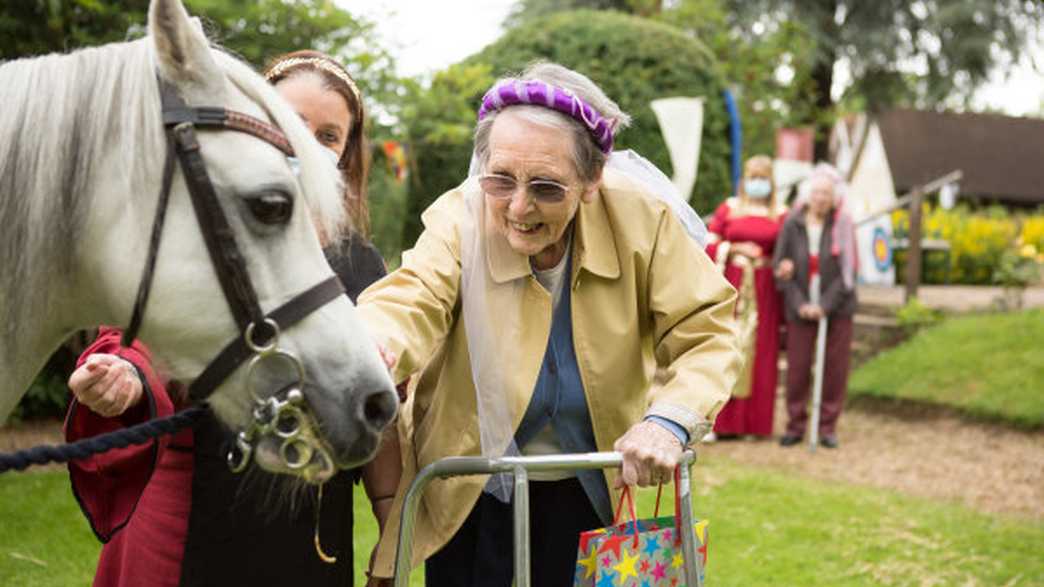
x,y
283,414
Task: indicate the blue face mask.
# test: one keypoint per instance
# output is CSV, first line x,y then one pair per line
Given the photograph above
x,y
758,189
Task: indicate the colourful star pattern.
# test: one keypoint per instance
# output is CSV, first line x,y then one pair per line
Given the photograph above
x,y
654,560
586,537
590,564
659,571
651,546
626,566
613,543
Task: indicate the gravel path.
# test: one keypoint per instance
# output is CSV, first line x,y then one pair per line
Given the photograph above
x,y
986,467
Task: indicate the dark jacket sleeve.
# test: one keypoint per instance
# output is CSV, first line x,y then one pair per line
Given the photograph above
x,y
794,296
108,486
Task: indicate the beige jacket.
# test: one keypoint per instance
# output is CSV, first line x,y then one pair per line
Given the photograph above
x,y
645,295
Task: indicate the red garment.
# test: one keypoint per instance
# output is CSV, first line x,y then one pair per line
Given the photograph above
x,y
753,414
151,481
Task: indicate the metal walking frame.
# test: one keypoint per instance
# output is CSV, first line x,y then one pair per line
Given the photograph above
x,y
520,467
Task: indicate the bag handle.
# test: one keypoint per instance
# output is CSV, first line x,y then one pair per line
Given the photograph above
x,y
626,494
677,504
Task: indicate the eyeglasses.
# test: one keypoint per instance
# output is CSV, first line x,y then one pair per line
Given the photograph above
x,y
542,190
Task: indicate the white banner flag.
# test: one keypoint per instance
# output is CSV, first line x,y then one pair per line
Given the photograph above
x,y
681,122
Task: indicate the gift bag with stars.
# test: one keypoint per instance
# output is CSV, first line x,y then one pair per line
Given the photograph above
x,y
639,553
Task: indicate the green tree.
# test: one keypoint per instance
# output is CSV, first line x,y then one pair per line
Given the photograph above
x,y
257,30
923,53
768,75
527,10
634,60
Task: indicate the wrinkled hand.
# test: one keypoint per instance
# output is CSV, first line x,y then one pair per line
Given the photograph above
x,y
785,270
810,312
650,454
106,384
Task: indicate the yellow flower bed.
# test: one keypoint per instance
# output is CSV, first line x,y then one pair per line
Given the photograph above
x,y
977,239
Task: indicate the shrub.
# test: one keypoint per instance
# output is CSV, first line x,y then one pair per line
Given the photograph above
x,y
1033,232
47,398
634,60
977,240
914,316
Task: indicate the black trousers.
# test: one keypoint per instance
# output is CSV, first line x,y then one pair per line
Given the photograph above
x,y
481,553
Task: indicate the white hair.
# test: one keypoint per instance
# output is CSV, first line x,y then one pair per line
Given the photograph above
x,y
587,154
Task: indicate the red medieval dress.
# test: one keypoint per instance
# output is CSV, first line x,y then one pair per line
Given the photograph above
x,y
753,414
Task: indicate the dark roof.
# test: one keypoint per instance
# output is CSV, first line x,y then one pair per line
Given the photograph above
x,y
1002,157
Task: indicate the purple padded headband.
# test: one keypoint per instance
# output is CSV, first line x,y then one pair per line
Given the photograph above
x,y
537,93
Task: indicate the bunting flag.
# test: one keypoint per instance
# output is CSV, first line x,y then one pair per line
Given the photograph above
x,y
395,154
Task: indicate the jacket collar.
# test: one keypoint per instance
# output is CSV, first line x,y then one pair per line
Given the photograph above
x,y
593,243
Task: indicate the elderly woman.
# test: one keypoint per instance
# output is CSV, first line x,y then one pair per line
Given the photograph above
x,y
536,307
818,238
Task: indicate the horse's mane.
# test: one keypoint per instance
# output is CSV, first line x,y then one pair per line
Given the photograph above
x,y
60,116
60,113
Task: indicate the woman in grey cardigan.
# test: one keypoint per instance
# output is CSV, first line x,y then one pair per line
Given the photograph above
x,y
817,237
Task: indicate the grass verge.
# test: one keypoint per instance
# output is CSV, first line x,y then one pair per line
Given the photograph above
x,y
986,366
766,528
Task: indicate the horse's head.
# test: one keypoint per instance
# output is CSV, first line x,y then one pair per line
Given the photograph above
x,y
276,218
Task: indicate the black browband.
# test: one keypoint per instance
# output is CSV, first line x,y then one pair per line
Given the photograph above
x,y
180,122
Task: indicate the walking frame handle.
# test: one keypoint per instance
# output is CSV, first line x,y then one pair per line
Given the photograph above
x,y
520,467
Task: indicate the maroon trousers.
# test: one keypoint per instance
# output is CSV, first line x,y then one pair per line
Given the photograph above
x,y
801,355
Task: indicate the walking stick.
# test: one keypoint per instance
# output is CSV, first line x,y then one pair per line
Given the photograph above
x,y
817,385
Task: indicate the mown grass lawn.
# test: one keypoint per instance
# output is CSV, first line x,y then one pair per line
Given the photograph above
x,y
988,366
766,528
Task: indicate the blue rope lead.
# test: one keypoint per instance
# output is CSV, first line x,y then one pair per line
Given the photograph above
x,y
137,434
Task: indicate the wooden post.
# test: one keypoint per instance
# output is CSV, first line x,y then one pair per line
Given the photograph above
x,y
913,249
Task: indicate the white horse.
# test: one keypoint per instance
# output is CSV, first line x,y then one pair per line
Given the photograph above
x,y
81,155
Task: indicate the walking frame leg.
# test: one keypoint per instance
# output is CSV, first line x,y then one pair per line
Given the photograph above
x,y
520,468
693,561
521,498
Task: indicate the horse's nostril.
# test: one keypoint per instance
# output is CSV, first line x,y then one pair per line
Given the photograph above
x,y
379,408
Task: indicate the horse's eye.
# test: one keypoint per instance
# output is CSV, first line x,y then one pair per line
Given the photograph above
x,y
271,207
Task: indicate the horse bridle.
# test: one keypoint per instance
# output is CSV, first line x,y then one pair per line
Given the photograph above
x,y
285,413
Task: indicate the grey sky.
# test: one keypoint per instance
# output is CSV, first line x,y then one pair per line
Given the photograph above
x,y
429,35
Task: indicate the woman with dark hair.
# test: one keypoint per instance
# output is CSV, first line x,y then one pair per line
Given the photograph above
x,y
171,512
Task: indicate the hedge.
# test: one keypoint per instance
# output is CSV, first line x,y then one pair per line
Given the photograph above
x,y
634,60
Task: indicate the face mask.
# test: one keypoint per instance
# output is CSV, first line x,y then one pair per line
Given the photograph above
x,y
757,188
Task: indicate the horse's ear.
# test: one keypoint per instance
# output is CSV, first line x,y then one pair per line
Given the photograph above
x,y
182,51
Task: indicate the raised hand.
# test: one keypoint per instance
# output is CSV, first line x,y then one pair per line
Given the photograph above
x,y
106,384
